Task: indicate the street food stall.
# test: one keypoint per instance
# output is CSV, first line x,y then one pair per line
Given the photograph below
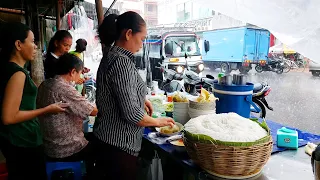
x,y
267,150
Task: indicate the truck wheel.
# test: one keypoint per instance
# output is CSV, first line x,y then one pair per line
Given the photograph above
x,y
225,68
258,68
315,73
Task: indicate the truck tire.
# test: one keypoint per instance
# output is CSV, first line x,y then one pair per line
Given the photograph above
x,y
258,68
315,73
225,68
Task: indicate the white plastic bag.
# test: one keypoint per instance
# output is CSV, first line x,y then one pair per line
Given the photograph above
x,y
156,168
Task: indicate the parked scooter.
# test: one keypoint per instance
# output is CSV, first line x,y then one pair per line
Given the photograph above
x,y
274,65
90,87
193,83
260,91
189,82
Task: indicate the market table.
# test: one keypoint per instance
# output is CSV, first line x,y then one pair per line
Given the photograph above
x,y
286,165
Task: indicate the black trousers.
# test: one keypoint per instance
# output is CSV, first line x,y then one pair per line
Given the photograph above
x,y
24,162
113,163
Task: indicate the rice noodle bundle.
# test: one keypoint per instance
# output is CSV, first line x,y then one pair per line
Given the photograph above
x,y
229,127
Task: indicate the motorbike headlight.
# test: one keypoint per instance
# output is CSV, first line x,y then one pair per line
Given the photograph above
x,y
179,69
201,67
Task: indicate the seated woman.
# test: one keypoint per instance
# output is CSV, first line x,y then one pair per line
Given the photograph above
x,y
63,136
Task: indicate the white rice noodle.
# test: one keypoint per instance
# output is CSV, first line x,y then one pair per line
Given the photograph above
x,y
228,127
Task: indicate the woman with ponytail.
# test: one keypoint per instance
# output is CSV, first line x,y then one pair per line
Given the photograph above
x,y
59,45
121,99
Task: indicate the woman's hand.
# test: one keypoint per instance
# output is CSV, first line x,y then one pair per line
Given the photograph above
x,y
57,107
148,107
165,121
80,81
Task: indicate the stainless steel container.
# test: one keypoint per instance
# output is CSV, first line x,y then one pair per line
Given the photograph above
x,y
316,170
243,80
315,163
228,80
234,79
223,80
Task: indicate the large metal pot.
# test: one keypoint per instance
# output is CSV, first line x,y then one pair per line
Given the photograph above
x,y
315,163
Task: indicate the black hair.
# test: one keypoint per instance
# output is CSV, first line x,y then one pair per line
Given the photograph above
x,y
67,62
9,34
81,45
112,26
58,36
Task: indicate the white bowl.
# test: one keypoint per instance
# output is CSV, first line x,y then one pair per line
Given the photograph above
x,y
202,106
180,105
193,113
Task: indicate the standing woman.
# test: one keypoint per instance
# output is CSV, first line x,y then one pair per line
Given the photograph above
x,y
81,46
20,135
121,99
59,45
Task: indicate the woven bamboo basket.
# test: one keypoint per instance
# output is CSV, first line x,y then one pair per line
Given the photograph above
x,y
229,160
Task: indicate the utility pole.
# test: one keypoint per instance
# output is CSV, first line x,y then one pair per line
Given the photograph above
x,y
58,13
99,9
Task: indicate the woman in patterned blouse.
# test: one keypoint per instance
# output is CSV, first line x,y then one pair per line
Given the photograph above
x,y
63,136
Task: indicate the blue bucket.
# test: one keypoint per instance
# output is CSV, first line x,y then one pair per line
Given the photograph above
x,y
234,98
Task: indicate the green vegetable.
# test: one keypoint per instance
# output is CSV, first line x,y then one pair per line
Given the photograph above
x,y
169,107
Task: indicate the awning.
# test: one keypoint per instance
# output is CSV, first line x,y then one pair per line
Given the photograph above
x,y
281,48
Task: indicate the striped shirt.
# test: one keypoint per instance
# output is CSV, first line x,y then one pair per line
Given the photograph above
x,y
120,99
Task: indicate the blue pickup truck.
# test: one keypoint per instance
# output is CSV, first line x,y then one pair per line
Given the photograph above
x,y
235,48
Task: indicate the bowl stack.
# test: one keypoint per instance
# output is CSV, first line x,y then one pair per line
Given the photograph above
x,y
197,109
180,112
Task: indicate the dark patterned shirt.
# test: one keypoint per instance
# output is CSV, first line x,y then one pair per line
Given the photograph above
x,y
63,133
120,99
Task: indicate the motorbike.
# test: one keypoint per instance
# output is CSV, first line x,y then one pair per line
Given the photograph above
x,y
274,65
260,91
90,87
189,82
193,83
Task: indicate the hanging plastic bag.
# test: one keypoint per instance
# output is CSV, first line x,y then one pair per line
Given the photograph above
x,y
156,168
150,169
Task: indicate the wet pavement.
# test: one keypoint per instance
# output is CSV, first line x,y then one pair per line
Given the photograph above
x,y
295,98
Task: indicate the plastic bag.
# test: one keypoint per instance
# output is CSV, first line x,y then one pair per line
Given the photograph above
x,y
156,168
150,169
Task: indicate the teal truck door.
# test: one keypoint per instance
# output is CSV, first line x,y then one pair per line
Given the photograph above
x,y
263,45
250,45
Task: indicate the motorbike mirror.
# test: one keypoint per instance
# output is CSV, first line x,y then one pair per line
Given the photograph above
x,y
168,48
172,87
209,76
189,76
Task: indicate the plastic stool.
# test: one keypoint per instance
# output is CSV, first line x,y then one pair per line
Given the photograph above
x,y
75,166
